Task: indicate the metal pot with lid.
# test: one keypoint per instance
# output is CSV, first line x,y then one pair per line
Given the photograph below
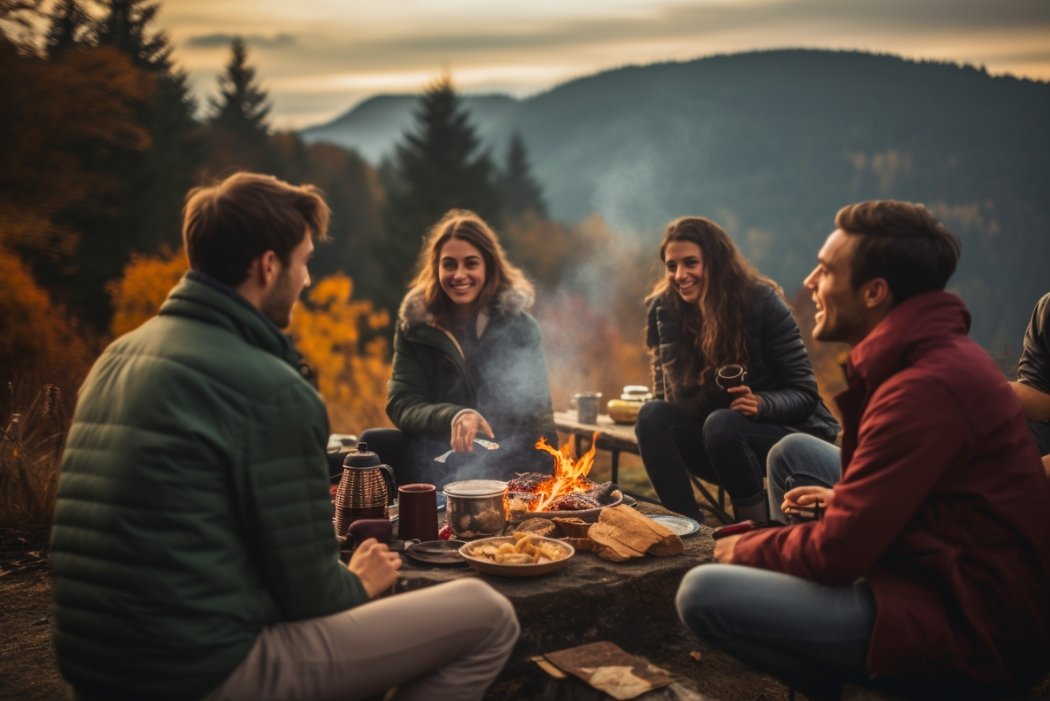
x,y
476,508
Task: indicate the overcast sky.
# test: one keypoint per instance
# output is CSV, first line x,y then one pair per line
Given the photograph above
x,y
318,58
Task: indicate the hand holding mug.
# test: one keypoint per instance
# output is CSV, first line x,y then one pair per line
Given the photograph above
x,y
806,501
744,400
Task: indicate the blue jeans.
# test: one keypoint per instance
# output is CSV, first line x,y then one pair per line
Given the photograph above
x,y
799,460
725,448
812,636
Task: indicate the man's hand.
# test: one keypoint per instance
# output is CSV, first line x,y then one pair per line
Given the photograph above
x,y
803,501
1046,464
744,400
724,548
465,426
375,565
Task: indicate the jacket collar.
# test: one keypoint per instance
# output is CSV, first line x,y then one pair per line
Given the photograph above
x,y
906,333
413,313
909,329
200,296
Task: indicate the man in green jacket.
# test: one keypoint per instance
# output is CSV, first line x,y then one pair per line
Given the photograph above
x,y
193,551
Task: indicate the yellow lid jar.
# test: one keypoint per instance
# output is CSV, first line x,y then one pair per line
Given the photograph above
x,y
625,409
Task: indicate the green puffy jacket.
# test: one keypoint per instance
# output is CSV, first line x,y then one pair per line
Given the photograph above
x,y
193,505
504,378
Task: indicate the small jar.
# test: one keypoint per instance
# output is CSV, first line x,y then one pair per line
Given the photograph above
x,y
625,409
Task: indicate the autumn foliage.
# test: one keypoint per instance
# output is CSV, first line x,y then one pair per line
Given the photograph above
x,y
138,295
337,335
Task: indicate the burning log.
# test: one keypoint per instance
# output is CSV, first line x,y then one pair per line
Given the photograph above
x,y
527,482
568,489
576,501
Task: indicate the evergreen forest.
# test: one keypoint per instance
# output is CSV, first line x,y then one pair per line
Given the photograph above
x,y
101,138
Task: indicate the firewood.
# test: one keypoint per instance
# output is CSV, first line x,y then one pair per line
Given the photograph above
x,y
624,533
581,544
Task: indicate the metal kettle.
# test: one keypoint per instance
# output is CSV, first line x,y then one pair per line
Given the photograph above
x,y
364,489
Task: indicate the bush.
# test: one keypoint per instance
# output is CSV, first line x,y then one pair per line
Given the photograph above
x,y
30,449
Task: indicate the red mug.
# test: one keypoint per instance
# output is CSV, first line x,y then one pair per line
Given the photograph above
x,y
417,512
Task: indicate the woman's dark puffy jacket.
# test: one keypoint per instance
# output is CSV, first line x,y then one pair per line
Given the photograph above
x,y
504,379
778,368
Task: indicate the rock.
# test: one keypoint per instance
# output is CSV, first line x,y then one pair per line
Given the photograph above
x,y
630,603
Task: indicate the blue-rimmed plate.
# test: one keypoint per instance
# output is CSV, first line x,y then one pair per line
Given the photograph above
x,y
681,526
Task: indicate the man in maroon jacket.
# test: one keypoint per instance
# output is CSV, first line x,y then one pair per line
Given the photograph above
x,y
929,573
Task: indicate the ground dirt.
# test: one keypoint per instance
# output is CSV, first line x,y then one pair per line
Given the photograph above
x,y
28,671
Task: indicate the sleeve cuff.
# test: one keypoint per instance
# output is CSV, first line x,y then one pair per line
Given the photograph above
x,y
459,413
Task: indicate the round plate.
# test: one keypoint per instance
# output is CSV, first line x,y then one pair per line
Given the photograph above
x,y
486,566
681,526
437,552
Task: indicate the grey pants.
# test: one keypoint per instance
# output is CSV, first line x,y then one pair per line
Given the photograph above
x,y
444,642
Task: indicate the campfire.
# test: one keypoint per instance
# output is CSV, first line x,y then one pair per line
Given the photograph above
x,y
568,489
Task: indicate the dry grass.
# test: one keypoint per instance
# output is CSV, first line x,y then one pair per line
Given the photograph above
x,y
32,432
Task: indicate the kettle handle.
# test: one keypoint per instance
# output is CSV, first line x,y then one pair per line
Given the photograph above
x,y
388,476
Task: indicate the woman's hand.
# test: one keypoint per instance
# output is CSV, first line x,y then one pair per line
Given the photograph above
x,y
465,426
744,400
375,565
803,501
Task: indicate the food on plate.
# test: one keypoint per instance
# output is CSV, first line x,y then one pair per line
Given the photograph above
x,y
537,526
527,482
526,489
575,501
526,549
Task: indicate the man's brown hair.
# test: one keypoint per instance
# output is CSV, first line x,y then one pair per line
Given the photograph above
x,y
227,225
901,242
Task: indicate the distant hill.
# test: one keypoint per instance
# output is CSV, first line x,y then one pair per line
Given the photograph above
x,y
374,126
772,143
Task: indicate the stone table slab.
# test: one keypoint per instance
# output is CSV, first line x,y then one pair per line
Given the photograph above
x,y
629,603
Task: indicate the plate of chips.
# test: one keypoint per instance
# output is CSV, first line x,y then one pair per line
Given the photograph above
x,y
517,555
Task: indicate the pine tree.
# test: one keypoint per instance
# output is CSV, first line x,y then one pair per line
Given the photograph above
x,y
125,27
143,212
519,191
244,106
239,117
439,165
68,24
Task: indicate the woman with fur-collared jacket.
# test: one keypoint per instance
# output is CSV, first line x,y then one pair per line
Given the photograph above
x,y
712,308
468,362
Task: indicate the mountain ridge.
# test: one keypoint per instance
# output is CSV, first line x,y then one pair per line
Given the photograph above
x,y
772,143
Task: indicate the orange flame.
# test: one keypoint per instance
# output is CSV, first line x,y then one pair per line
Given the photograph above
x,y
569,475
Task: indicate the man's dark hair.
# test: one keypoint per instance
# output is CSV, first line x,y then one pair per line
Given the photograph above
x,y
228,225
901,242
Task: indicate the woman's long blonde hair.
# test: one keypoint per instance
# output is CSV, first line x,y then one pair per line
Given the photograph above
x,y
500,274
713,330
